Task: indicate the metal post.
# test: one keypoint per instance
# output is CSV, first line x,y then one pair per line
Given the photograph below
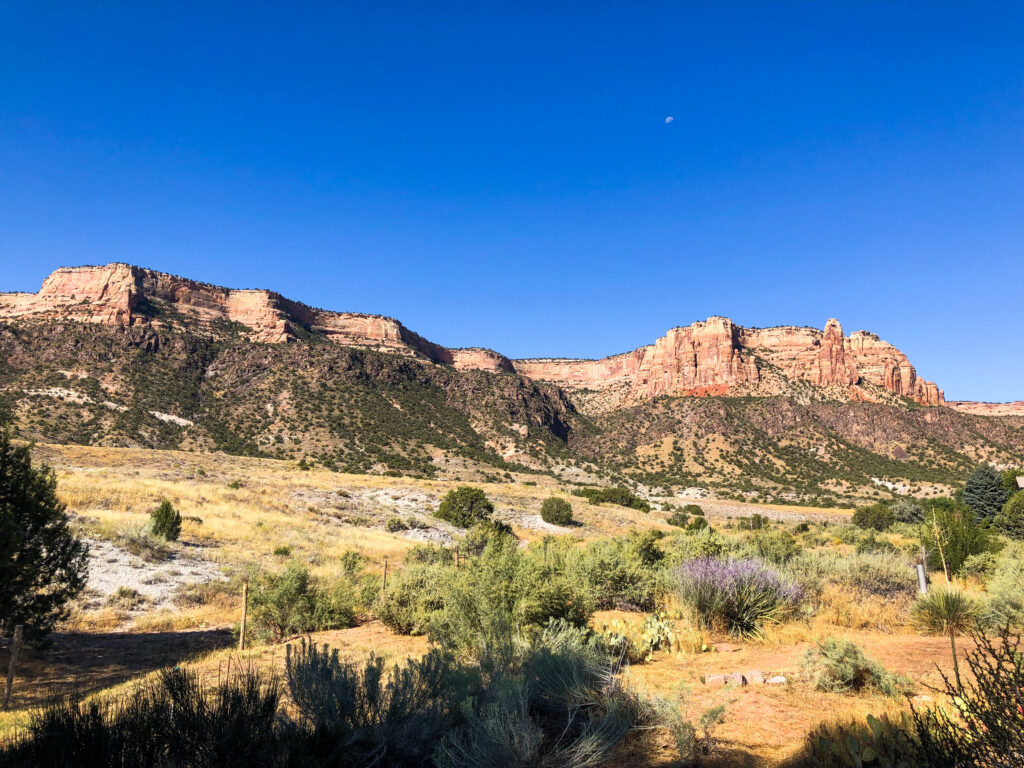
x,y
245,611
922,579
385,587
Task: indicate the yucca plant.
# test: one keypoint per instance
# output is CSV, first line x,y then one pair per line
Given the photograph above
x,y
947,610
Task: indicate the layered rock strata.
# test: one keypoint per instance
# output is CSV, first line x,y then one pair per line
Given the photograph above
x,y
712,357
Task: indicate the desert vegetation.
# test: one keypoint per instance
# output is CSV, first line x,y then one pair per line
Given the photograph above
x,y
480,601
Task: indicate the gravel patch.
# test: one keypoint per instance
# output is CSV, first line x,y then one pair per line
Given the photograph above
x,y
111,567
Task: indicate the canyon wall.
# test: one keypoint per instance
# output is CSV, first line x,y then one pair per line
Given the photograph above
x,y
712,357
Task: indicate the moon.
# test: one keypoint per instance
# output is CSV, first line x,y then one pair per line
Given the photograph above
x,y
669,119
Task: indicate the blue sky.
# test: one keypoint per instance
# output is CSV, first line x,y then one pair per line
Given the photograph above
x,y
502,175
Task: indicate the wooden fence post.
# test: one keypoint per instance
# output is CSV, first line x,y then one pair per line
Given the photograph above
x,y
456,557
15,647
245,612
385,587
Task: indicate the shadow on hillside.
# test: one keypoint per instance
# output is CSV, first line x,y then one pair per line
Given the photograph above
x,y
84,662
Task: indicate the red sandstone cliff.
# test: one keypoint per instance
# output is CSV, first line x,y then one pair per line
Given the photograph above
x,y
705,358
715,356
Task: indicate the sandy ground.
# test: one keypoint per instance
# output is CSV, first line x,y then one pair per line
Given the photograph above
x,y
111,568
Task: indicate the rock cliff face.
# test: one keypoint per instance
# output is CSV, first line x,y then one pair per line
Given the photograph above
x,y
717,357
713,357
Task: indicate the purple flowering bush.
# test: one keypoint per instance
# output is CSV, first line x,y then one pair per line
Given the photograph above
x,y
739,596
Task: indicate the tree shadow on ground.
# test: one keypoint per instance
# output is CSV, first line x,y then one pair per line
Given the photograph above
x,y
85,662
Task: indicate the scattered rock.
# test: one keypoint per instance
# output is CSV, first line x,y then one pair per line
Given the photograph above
x,y
725,648
777,680
755,677
736,679
922,699
715,681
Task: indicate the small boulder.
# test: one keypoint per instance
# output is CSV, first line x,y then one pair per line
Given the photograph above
x,y
755,677
715,681
777,680
736,679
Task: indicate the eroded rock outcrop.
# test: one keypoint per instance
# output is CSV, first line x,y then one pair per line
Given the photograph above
x,y
713,357
717,357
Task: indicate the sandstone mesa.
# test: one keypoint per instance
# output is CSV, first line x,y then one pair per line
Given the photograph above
x,y
712,357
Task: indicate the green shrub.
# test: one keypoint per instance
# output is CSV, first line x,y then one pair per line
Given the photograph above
x,y
621,496
395,524
775,546
414,595
1010,519
503,595
697,524
464,506
126,599
980,566
555,701
876,517
677,519
706,543
355,713
176,720
556,511
907,511
755,522
165,521
623,572
292,603
429,554
1009,480
283,551
693,509
952,532
885,574
1005,587
478,536
871,543
837,665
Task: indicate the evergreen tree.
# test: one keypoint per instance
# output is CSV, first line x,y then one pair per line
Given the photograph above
x,y
556,511
42,564
165,521
983,492
465,506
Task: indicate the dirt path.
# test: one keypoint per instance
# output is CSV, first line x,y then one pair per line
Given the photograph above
x,y
766,724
